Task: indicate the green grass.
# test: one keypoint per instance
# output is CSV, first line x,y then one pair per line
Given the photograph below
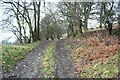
x,y
12,54
74,57
99,70
48,61
0,56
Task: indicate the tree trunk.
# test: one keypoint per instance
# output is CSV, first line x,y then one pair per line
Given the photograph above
x,y
18,22
80,27
35,29
101,11
119,20
38,23
31,31
86,23
110,28
75,31
24,30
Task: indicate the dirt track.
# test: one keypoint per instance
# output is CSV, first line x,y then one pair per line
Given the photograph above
x,y
29,67
64,65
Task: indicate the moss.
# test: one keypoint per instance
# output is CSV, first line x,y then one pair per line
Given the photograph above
x,y
48,61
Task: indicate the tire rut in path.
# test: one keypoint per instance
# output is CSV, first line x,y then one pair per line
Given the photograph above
x,y
29,66
63,62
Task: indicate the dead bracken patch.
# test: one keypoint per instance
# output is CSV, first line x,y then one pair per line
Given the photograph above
x,y
100,48
101,52
103,48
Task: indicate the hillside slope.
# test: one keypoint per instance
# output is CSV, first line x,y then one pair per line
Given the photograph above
x,y
90,56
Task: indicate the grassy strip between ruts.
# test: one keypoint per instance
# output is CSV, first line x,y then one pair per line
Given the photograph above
x,y
48,61
12,54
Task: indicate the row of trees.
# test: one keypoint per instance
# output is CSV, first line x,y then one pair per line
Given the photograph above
x,y
22,13
39,20
78,15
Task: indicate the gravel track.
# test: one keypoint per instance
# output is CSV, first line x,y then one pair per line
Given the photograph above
x,y
64,64
29,66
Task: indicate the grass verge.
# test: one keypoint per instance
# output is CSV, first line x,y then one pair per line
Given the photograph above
x,y
105,67
99,59
100,70
48,61
11,54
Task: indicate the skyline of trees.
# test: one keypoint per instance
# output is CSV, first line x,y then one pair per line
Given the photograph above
x,y
69,18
